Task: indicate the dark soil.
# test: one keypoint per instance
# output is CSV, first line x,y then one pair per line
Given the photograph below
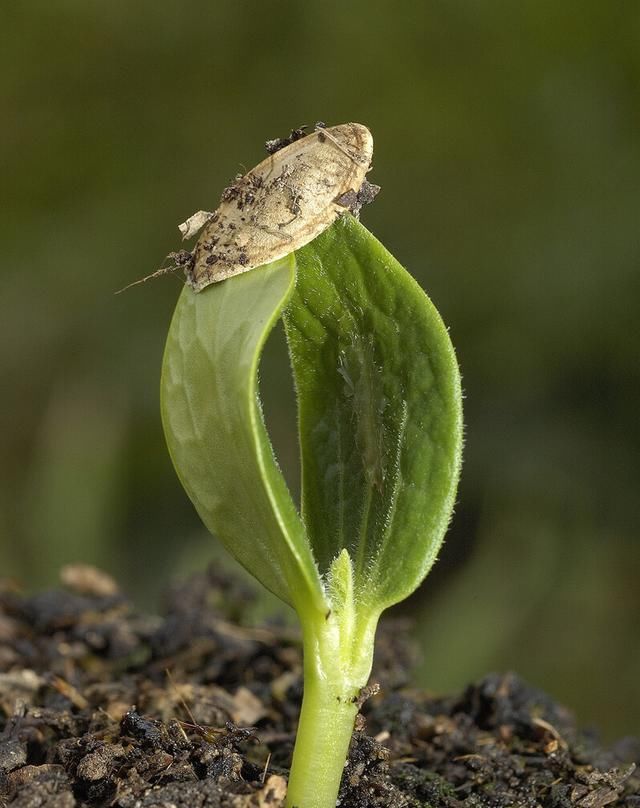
x,y
102,706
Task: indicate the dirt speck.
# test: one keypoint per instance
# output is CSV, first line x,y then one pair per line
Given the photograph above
x,y
272,146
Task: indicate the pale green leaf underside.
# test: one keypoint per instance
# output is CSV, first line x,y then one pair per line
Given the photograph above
x,y
216,435
380,413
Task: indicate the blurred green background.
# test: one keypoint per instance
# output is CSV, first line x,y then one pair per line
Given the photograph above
x,y
508,150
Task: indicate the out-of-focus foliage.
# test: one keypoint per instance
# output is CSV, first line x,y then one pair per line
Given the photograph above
x,y
508,150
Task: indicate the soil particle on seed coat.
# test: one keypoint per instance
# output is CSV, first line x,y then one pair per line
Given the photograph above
x,y
101,706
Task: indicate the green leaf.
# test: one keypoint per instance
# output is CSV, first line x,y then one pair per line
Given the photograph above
x,y
380,414
216,434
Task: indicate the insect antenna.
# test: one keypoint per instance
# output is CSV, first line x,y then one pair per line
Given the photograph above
x,y
156,274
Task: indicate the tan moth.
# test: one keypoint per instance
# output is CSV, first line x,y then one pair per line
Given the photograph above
x,y
279,206
283,203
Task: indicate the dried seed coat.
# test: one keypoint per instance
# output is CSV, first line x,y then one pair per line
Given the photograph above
x,y
283,203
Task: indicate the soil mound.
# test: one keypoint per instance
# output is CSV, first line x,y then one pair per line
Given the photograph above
x,y
103,706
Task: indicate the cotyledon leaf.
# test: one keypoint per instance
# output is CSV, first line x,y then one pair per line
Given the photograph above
x,y
216,435
380,415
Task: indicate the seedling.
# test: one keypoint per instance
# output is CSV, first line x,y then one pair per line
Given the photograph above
x,y
380,430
